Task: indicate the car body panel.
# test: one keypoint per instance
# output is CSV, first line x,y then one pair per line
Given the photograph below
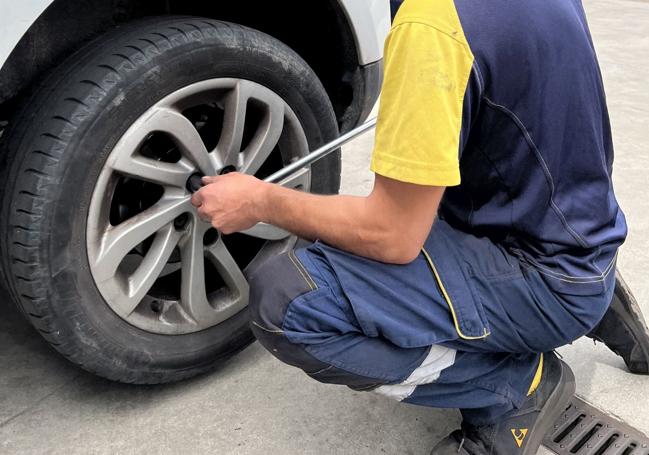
x,y
369,34
18,17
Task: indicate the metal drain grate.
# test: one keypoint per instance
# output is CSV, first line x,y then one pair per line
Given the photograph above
x,y
585,430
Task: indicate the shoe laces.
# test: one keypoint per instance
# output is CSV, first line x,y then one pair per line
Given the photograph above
x,y
467,444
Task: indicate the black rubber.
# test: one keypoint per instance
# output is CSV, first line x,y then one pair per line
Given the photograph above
x,y
552,406
55,148
624,330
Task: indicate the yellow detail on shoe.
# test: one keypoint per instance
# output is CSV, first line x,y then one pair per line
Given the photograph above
x,y
448,301
519,436
537,377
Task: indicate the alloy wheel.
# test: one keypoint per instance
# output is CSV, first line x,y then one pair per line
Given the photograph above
x,y
155,262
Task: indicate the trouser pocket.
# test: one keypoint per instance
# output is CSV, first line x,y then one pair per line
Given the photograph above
x,y
401,303
453,277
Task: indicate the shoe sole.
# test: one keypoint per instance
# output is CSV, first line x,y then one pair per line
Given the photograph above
x,y
557,403
626,306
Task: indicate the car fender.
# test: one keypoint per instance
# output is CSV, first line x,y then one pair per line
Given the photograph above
x,y
368,19
370,22
17,17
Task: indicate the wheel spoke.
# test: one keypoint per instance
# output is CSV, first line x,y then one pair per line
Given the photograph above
x,y
141,281
119,240
266,137
172,174
185,136
236,106
266,231
225,264
193,292
126,160
299,180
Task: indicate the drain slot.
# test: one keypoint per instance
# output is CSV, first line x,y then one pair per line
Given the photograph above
x,y
568,429
585,430
629,449
582,442
608,442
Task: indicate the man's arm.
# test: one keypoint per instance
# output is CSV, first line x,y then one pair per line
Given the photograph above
x,y
390,225
425,111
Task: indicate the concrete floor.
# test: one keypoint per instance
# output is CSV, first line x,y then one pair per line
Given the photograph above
x,y
255,405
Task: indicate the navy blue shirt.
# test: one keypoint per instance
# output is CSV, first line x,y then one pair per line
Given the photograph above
x,y
536,153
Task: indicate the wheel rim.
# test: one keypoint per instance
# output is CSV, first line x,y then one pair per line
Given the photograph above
x,y
155,262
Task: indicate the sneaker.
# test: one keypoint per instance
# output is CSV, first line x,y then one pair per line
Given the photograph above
x,y
521,431
623,329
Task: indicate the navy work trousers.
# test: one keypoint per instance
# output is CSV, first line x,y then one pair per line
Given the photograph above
x,y
463,326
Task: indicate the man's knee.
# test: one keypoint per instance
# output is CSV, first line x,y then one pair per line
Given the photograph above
x,y
272,289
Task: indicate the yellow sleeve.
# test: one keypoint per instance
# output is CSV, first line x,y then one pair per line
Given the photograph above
x,y
420,113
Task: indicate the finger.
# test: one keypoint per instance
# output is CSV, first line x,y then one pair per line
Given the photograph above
x,y
202,213
209,179
197,199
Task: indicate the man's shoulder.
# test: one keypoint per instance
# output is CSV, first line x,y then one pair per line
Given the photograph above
x,y
439,14
503,24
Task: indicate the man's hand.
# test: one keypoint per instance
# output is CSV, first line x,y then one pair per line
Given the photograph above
x,y
230,202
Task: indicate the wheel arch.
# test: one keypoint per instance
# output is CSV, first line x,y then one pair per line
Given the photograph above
x,y
331,50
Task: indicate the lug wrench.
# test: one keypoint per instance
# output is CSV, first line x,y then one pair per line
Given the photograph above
x,y
194,182
321,152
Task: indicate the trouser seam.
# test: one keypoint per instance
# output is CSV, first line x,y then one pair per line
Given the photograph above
x,y
321,371
277,332
502,391
353,371
369,387
302,270
336,285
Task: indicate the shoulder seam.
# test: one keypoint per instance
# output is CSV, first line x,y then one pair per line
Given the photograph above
x,y
439,29
478,74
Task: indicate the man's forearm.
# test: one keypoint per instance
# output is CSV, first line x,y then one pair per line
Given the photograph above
x,y
346,222
389,225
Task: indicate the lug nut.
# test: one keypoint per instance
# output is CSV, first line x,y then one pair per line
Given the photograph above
x,y
211,237
181,221
156,306
194,182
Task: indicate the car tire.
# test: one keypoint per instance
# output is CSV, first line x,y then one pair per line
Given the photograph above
x,y
56,148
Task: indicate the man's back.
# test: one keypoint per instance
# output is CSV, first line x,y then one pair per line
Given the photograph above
x,y
535,145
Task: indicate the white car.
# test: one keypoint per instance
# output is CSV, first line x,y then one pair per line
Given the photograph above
x,y
108,107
